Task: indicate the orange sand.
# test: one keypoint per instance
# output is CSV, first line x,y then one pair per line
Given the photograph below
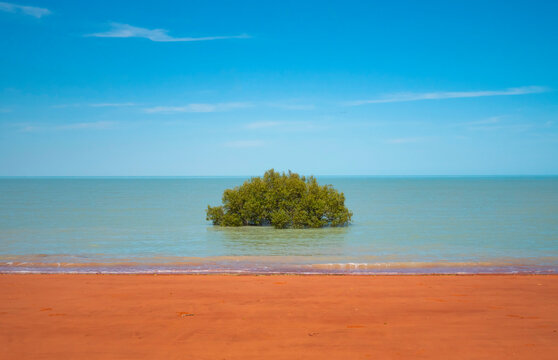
x,y
278,317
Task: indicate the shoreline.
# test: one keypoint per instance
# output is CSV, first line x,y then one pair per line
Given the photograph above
x,y
365,265
280,271
245,316
233,274
251,273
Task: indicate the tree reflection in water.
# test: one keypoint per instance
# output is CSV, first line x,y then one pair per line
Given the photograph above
x,y
262,241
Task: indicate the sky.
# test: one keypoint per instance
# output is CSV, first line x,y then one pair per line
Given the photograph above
x,y
205,88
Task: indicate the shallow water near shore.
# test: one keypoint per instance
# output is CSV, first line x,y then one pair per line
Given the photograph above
x,y
400,225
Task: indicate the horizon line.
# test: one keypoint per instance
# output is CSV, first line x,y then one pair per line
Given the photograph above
x,y
249,176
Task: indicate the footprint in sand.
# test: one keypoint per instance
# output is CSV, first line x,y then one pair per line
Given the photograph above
x,y
184,314
523,317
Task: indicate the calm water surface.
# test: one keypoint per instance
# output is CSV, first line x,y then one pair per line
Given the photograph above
x,y
415,225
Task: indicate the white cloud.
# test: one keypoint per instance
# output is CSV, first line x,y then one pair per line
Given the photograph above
x,y
284,126
63,106
489,121
291,106
160,35
219,107
245,144
405,97
112,104
97,125
198,108
514,127
495,123
27,10
263,124
29,128
405,140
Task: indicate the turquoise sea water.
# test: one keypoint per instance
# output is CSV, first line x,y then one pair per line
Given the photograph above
x,y
400,225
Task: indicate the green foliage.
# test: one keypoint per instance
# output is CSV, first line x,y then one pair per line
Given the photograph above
x,y
282,200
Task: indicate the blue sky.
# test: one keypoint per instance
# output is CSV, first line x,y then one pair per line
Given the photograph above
x,y
236,87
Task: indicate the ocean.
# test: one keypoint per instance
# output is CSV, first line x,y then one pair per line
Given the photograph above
x,y
401,225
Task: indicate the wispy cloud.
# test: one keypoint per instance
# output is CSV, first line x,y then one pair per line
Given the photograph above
x,y
245,143
285,126
113,104
218,107
513,127
29,128
502,123
198,108
288,106
489,121
405,97
27,10
63,106
406,140
95,125
97,105
119,30
516,127
263,124
496,123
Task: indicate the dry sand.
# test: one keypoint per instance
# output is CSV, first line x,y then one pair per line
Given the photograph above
x,y
278,317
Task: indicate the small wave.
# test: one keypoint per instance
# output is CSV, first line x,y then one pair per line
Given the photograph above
x,y
265,265
401,265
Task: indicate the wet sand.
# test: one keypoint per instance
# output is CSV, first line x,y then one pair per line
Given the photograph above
x,y
278,317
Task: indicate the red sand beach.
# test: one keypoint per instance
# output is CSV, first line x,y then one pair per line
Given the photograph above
x,y
278,317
